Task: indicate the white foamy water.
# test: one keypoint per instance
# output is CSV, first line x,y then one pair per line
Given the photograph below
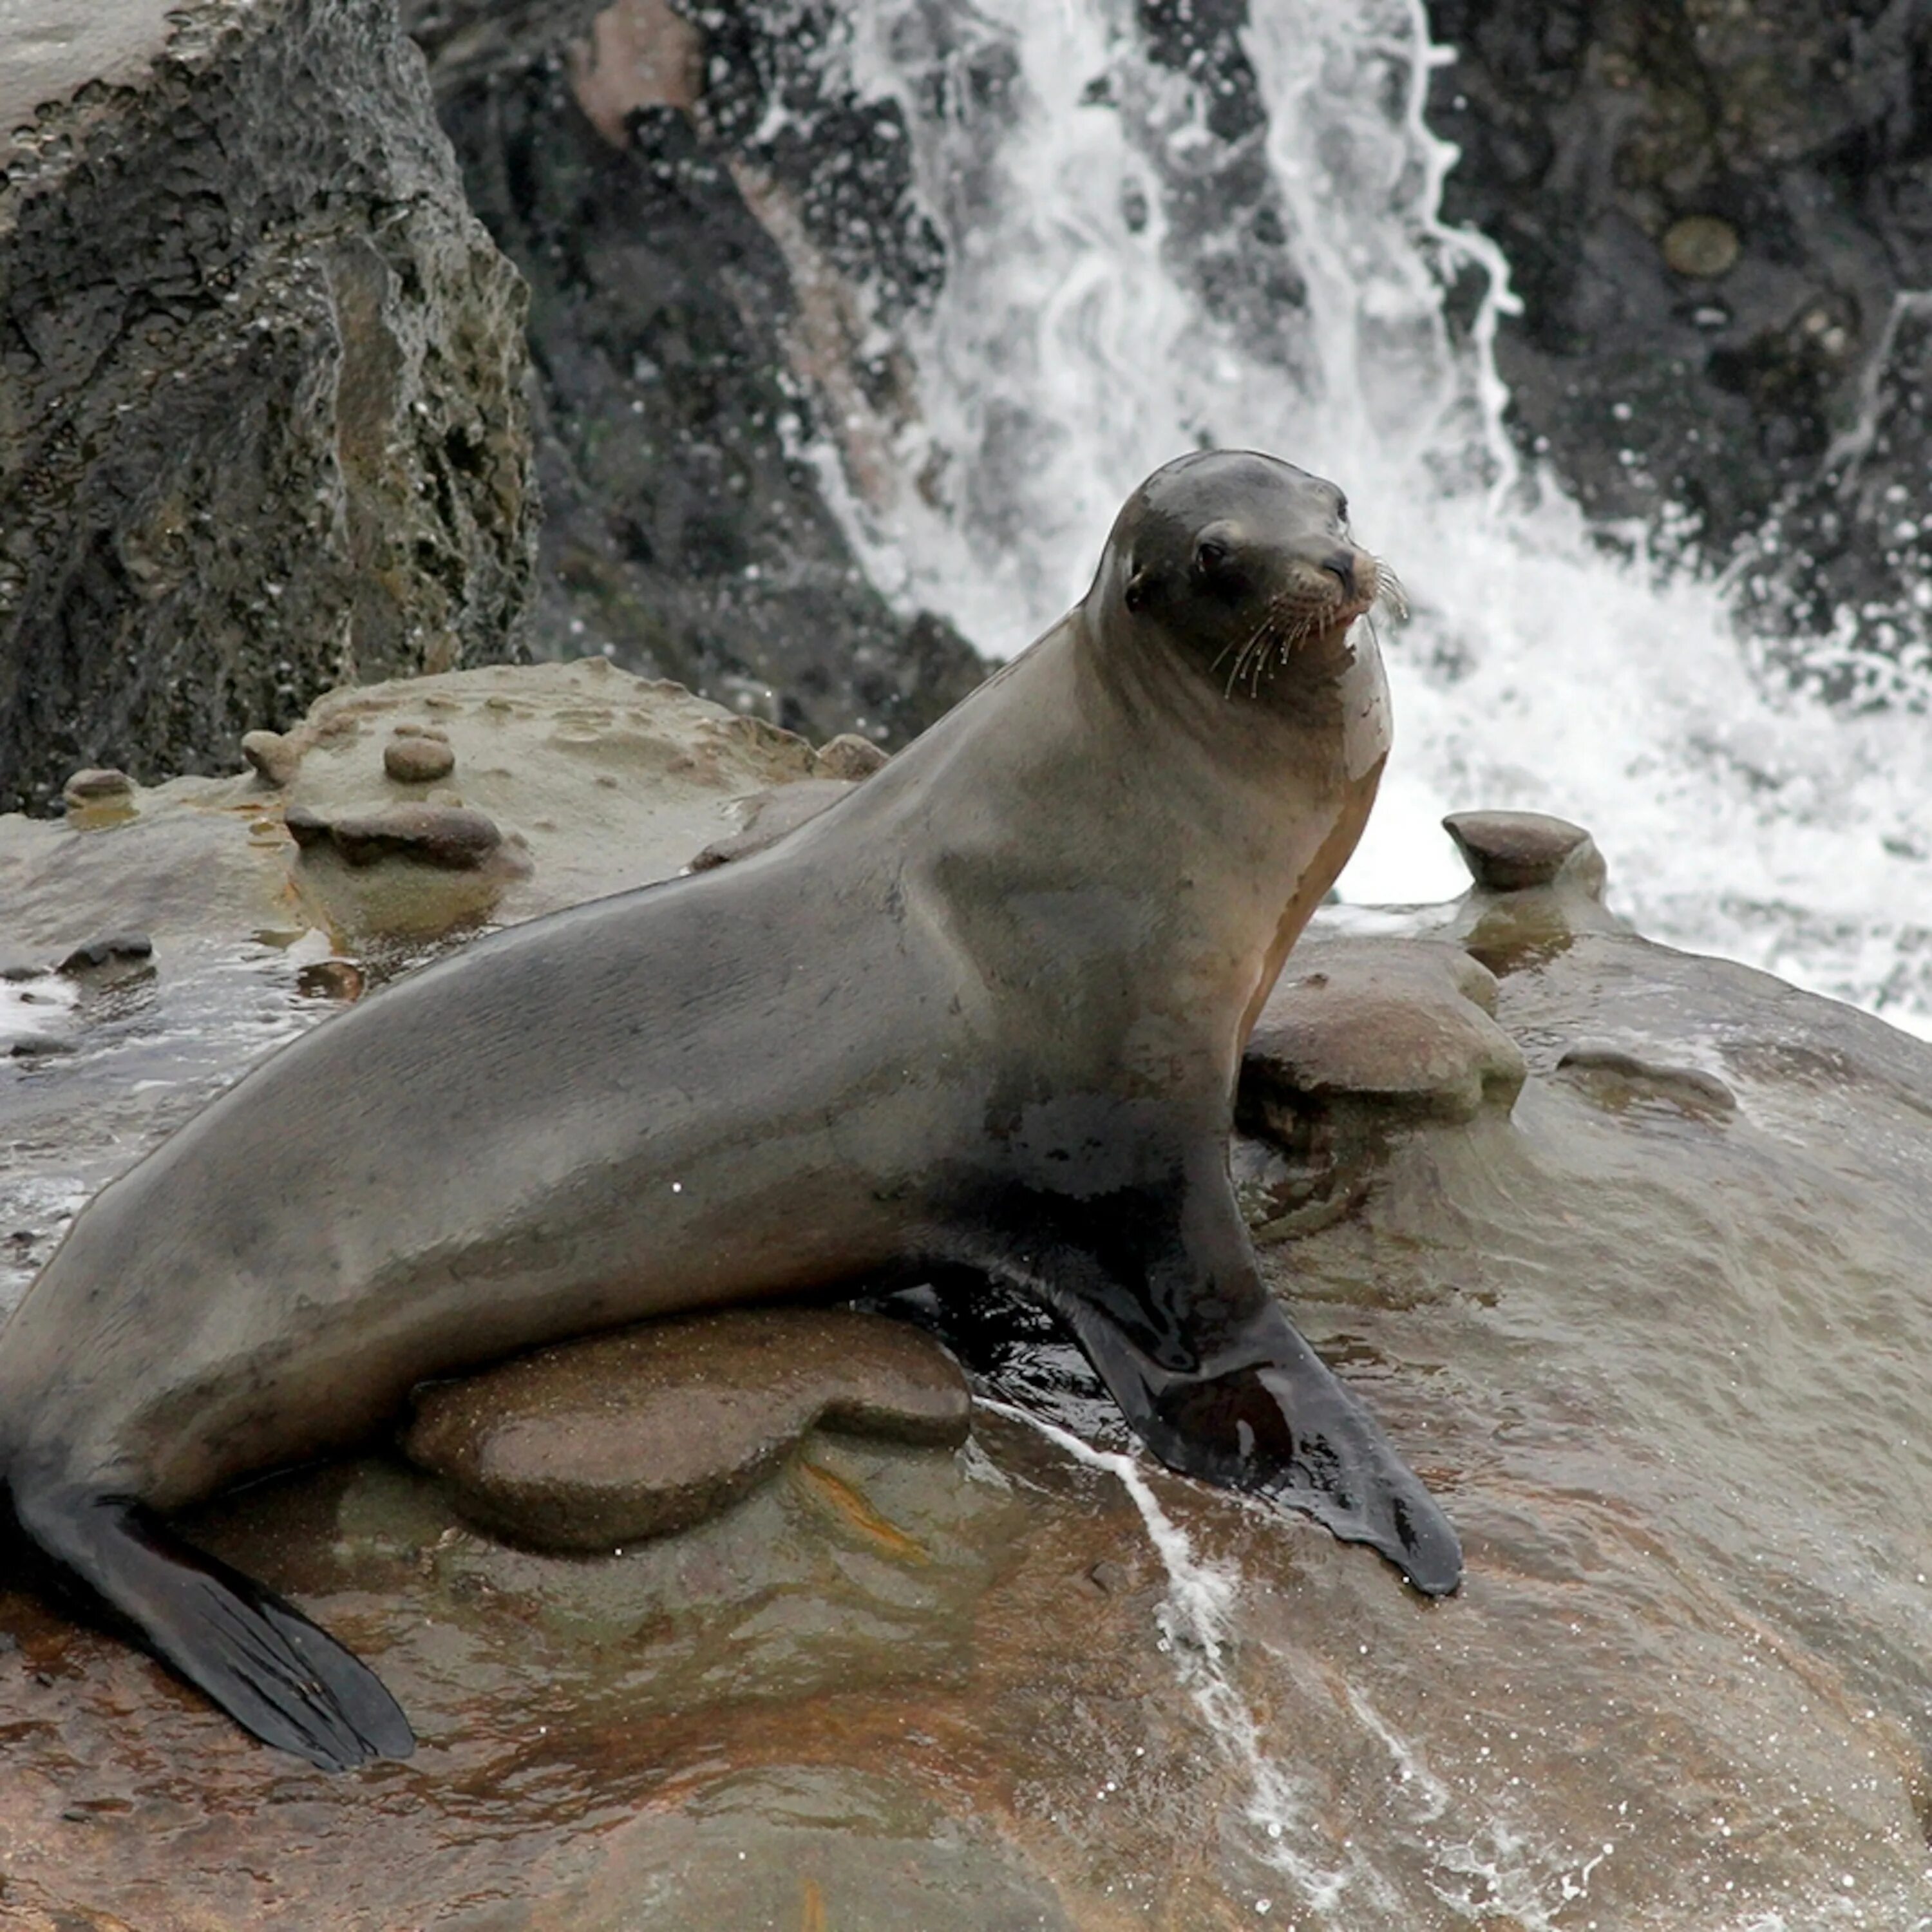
x,y
1071,351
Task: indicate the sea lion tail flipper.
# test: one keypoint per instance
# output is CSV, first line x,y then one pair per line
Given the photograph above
x,y
252,1653
1264,1414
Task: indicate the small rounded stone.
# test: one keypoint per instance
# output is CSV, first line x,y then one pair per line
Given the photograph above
x,y
417,760
1510,851
96,783
451,836
331,980
1701,245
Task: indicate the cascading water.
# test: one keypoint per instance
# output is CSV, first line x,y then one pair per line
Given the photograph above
x,y
1138,262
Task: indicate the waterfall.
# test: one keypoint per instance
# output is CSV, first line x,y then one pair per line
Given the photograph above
x,y
1141,258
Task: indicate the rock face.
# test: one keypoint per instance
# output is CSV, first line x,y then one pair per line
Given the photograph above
x,y
263,429
691,340
1717,218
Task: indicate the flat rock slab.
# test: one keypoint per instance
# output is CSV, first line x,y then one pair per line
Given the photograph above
x,y
570,781
601,1443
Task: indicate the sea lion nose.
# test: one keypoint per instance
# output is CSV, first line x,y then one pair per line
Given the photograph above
x,y
1342,564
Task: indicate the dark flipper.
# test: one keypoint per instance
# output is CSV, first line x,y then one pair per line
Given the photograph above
x,y
1160,1287
1265,1414
256,1656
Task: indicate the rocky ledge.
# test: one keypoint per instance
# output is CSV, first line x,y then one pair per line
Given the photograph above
x,y
719,1622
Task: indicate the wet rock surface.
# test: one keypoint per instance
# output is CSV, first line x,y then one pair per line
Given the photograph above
x,y
607,1442
266,429
1662,1358
1719,220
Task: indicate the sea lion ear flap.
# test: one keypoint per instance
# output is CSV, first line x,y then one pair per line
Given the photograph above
x,y
1140,588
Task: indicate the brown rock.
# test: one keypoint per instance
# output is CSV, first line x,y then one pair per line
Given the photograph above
x,y
603,1442
418,758
98,783
275,756
849,756
1510,851
449,836
1391,1024
770,815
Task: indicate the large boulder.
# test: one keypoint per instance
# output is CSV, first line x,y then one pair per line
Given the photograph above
x,y
699,339
262,429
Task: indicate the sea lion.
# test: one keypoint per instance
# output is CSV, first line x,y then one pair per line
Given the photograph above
x,y
979,1020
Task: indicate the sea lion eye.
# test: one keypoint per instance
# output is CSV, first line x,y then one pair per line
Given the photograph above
x,y
1209,554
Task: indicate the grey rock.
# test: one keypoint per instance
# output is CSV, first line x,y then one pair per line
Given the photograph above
x,y
1717,218
684,532
39,1045
117,948
466,40
265,428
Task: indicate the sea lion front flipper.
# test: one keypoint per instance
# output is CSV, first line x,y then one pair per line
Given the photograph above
x,y
256,1656
1162,1292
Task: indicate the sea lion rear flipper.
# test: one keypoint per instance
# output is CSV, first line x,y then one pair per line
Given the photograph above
x,y
256,1656
1279,1424
1164,1296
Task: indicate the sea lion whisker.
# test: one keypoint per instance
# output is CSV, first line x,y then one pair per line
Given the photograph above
x,y
1389,591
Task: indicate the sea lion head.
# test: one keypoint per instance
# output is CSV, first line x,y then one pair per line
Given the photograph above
x,y
1240,564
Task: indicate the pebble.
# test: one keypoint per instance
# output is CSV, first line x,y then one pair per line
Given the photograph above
x,y
1703,245
416,758
331,980
96,783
